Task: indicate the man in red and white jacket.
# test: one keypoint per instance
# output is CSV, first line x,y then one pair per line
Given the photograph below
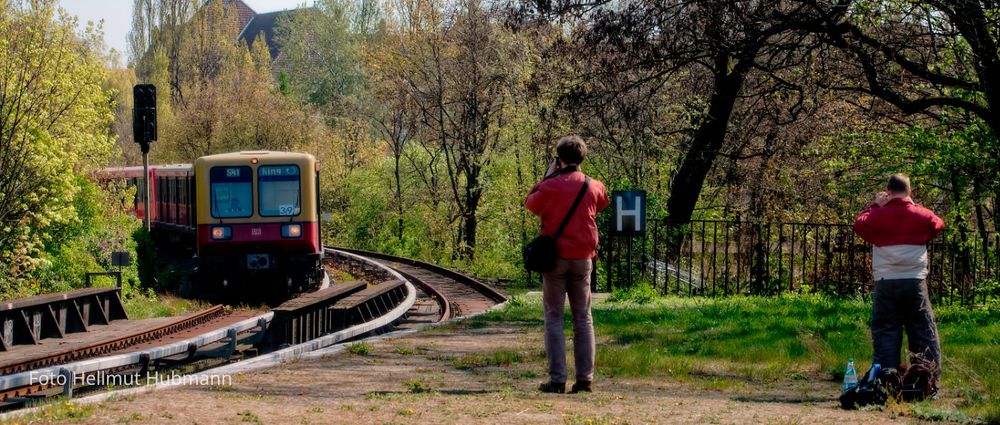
x,y
899,231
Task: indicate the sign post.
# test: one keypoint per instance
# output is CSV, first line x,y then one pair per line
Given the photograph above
x,y
630,212
628,222
144,133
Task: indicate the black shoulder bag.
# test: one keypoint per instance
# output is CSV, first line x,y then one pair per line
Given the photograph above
x,y
540,255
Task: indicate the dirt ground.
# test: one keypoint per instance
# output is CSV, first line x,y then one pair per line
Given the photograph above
x,y
446,375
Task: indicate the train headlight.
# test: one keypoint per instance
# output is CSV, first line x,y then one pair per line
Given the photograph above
x,y
221,233
291,231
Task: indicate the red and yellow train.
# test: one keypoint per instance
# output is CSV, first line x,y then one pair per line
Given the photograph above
x,y
252,216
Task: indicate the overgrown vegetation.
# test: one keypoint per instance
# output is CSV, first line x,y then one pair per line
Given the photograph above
x,y
433,119
54,118
499,358
359,348
757,340
417,386
150,304
58,410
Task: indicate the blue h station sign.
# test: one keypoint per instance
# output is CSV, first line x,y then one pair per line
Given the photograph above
x,y
630,212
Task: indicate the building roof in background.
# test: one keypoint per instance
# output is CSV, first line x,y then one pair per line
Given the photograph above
x,y
244,13
264,23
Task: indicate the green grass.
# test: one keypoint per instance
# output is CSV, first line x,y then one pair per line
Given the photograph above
x,y
152,305
248,416
409,351
359,348
417,386
57,410
339,276
757,339
499,358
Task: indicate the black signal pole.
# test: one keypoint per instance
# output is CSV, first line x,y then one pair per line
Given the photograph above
x,y
145,188
144,132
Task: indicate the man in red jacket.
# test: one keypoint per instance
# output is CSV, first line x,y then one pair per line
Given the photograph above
x,y
899,231
551,200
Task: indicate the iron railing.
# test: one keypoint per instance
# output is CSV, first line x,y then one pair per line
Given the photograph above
x,y
720,258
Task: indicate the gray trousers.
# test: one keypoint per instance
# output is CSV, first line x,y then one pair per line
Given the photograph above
x,y
570,277
899,304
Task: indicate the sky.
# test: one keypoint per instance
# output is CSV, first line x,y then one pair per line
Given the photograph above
x,y
117,16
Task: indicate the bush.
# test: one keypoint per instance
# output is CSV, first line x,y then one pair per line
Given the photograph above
x,y
101,226
640,293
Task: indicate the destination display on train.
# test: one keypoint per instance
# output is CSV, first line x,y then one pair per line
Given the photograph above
x,y
231,174
279,171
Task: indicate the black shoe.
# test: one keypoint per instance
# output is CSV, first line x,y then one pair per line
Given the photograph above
x,y
581,387
553,387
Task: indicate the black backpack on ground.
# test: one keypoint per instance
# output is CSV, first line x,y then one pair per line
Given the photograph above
x,y
917,383
875,391
909,383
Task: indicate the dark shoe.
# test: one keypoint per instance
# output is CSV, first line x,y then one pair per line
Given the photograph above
x,y
581,387
553,387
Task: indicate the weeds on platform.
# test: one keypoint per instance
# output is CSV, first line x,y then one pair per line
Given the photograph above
x,y
58,409
417,386
499,358
248,416
360,348
152,305
738,341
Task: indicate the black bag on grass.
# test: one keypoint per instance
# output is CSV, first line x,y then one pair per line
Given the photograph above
x,y
909,383
917,383
869,392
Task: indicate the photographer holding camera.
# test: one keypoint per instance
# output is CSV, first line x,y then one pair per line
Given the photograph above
x,y
575,231
899,231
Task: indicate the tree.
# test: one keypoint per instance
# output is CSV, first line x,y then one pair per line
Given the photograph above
x,y
54,125
155,41
120,82
936,62
321,51
919,56
462,70
397,123
225,97
709,50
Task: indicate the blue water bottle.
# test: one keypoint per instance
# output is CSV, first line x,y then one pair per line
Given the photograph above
x,y
850,375
874,373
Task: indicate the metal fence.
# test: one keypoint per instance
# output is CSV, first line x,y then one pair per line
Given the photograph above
x,y
720,258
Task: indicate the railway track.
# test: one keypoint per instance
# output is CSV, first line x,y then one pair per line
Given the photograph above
x,y
115,344
457,294
307,323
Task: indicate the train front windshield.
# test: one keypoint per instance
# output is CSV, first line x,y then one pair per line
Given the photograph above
x,y
231,192
279,190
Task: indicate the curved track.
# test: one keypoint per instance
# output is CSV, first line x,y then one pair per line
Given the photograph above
x,y
456,294
445,294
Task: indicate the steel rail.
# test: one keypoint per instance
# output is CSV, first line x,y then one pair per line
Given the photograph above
x,y
297,351
304,350
28,381
442,300
29,378
116,344
488,291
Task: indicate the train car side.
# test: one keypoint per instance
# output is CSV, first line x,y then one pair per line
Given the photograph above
x,y
171,191
174,202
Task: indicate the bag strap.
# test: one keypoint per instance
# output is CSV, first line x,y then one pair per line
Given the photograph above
x,y
572,209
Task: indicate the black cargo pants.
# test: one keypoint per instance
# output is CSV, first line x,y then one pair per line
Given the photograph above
x,y
899,304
